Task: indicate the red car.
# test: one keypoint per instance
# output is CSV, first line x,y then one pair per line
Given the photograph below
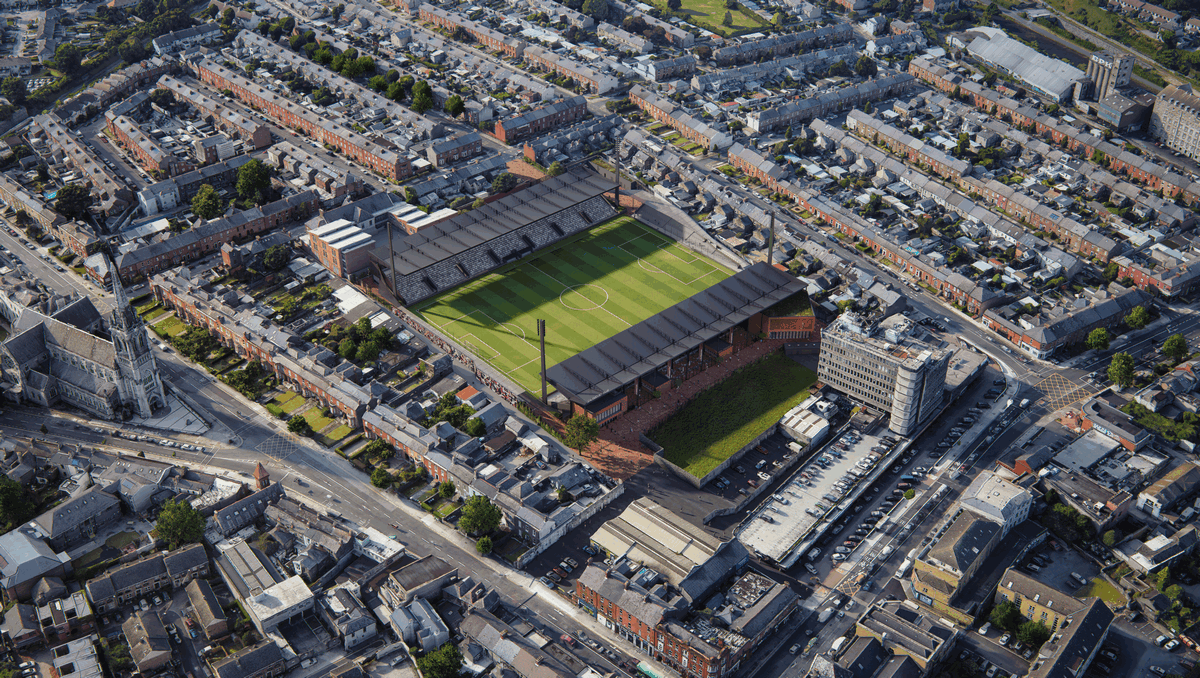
x,y
752,483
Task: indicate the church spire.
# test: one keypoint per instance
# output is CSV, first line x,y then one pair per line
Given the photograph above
x,y
123,314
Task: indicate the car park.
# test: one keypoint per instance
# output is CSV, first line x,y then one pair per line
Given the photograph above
x,y
838,557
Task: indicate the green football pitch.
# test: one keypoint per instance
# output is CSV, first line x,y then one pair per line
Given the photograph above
x,y
587,288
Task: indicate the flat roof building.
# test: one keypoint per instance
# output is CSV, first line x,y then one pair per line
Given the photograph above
x,y
902,628
888,364
998,500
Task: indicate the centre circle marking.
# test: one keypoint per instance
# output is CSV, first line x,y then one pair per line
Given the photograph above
x,y
586,299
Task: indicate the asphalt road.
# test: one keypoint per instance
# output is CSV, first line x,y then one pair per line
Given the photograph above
x,y
40,270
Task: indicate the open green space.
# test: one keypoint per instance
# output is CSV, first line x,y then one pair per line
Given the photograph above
x,y
587,288
316,419
728,416
170,327
711,15
1100,588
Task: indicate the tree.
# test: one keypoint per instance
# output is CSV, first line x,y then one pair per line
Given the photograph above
x,y
1033,634
504,183
228,16
68,58
1162,579
207,204
14,90
597,9
675,5
299,425
263,28
276,257
865,66
1120,370
1176,347
1098,339
1111,271
347,349
728,20
14,505
484,545
73,201
1174,591
444,662
396,92
475,427
778,19
422,97
446,490
1006,615
455,106
253,181
1109,538
180,523
839,68
1138,318
479,516
910,494
162,97
381,478
555,169
703,52
581,431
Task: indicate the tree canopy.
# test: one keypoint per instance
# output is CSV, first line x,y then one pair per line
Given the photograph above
x,y
381,477
580,432
504,183
1175,347
455,106
1098,339
422,97
68,58
1138,318
277,256
444,662
14,90
479,516
207,204
73,201
179,523
254,181
299,425
1120,370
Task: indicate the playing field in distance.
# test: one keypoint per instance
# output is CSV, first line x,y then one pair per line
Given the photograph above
x,y
587,288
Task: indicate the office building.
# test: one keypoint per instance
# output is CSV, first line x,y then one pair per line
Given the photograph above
x,y
890,365
997,499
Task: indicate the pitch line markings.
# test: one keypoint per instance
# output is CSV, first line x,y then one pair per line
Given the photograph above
x,y
601,307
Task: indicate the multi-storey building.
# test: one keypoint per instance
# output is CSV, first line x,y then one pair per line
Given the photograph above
x,y
178,41
668,113
540,120
887,364
998,500
1042,334
782,45
171,193
1109,72
341,247
450,151
378,155
1175,119
111,195
126,584
209,237
254,133
590,78
492,39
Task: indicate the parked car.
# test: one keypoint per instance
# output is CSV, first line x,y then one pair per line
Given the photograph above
x,y
1171,645
553,577
1004,639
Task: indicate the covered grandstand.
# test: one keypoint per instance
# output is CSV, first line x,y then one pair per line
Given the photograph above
x,y
598,381
446,255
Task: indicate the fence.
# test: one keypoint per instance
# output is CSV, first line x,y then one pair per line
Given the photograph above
x,y
495,382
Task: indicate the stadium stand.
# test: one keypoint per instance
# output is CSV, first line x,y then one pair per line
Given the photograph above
x,y
457,250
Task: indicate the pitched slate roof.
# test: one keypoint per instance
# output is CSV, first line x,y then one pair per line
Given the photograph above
x,y
71,513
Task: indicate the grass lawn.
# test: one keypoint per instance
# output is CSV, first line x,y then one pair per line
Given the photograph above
x,y
588,288
725,418
122,539
340,432
711,15
445,509
1100,588
317,420
170,327
155,314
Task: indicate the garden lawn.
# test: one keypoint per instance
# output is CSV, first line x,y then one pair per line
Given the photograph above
x,y
711,15
317,420
728,416
170,327
1100,588
340,432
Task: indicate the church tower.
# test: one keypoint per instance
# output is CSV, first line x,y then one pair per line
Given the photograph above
x,y
139,382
